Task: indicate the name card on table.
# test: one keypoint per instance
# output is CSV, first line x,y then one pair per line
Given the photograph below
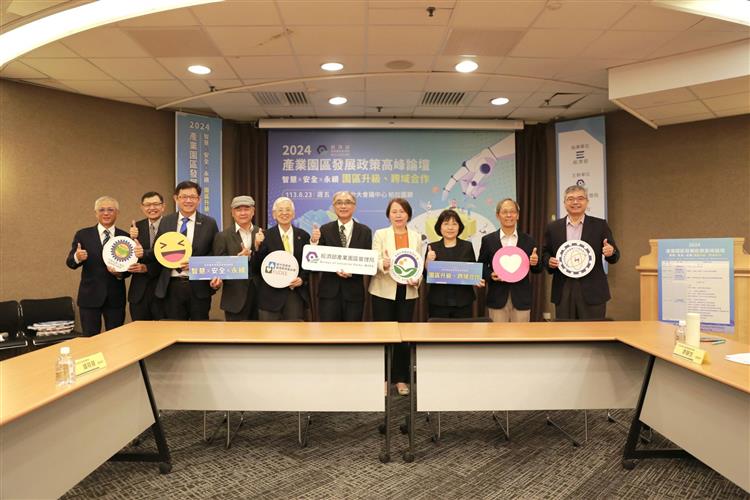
x,y
333,259
694,354
441,272
224,267
90,363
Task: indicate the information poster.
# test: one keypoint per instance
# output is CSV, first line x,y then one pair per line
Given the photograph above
x,y
198,158
697,276
467,170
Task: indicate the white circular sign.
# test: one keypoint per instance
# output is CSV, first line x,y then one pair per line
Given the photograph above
x,y
576,258
406,264
119,253
279,269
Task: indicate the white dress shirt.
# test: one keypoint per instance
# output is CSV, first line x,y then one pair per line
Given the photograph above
x,y
509,240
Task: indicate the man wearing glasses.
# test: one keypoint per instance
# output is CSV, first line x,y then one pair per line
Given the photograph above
x,y
583,298
144,305
341,296
102,289
185,299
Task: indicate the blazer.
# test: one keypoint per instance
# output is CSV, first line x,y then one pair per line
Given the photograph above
x,y
234,292
97,283
139,281
203,240
273,299
497,291
452,295
353,289
594,286
382,285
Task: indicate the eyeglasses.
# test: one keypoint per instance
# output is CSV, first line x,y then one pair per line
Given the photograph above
x,y
343,203
508,212
579,199
106,210
284,211
188,197
151,205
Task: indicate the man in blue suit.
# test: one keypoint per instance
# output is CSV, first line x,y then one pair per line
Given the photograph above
x,y
102,290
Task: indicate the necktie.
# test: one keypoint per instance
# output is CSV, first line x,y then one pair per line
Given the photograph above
x,y
106,237
151,234
285,240
183,229
342,235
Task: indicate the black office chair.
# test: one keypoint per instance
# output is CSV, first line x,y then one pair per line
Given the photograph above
x,y
10,323
40,310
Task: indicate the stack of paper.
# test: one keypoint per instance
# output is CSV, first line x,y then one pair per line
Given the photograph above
x,y
743,357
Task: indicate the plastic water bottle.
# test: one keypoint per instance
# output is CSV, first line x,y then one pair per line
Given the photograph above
x,y
65,369
679,331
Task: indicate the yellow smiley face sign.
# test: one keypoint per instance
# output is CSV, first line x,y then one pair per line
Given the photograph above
x,y
172,249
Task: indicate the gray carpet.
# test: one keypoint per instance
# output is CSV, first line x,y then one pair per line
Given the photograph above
x,y
471,460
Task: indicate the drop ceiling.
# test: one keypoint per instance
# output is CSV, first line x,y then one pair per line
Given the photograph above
x,y
550,58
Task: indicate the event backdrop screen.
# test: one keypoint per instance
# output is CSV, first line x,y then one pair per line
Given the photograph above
x,y
469,171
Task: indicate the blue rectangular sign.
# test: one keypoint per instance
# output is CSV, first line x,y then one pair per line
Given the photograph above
x,y
226,268
198,158
442,272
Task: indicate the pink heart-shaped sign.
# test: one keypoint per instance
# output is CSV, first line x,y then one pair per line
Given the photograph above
x,y
511,264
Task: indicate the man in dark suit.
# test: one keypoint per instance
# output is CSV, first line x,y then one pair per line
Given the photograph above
x,y
508,301
144,305
239,298
185,299
102,289
585,297
290,302
341,296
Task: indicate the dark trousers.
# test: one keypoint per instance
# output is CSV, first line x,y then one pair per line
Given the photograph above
x,y
436,311
339,309
400,310
91,318
149,308
181,304
249,311
293,309
572,305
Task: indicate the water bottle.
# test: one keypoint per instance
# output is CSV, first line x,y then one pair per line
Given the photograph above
x,y
65,369
679,332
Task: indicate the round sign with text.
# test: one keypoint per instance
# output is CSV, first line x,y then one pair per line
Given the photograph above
x,y
511,264
279,269
576,258
119,253
406,264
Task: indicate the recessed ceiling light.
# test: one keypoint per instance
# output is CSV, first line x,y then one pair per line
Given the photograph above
x,y
466,66
499,101
332,66
337,101
199,70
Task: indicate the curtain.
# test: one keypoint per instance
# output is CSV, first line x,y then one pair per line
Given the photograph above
x,y
251,168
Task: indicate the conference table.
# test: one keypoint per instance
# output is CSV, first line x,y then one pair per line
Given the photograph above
x,y
68,432
704,409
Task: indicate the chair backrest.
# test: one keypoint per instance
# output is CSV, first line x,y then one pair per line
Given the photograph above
x,y
10,318
480,319
38,310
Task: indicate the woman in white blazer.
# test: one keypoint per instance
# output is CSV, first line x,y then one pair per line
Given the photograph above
x,y
391,301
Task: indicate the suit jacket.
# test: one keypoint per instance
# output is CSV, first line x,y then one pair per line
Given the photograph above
x,y
452,295
203,240
497,291
139,281
594,286
382,285
353,289
97,283
234,292
273,299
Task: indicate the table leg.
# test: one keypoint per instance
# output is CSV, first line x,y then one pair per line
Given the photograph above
x,y
409,454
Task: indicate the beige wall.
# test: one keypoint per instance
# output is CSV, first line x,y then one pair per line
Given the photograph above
x,y
679,181
58,153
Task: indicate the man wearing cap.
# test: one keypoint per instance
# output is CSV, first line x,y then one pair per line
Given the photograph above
x,y
242,238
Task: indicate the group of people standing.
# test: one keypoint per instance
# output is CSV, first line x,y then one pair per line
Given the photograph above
x,y
157,292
